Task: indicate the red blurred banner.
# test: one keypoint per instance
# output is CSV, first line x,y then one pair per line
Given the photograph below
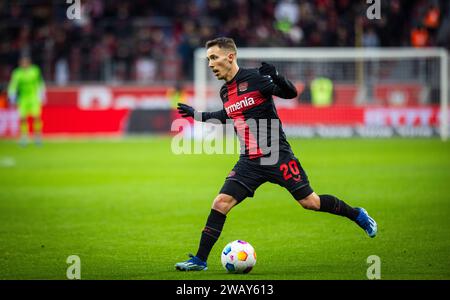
x,y
74,120
108,110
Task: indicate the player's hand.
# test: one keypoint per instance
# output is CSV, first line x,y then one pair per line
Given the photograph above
x,y
185,110
268,69
43,98
12,99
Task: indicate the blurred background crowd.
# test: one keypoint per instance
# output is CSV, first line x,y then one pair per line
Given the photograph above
x,y
153,41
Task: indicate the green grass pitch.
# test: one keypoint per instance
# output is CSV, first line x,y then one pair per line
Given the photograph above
x,y
131,209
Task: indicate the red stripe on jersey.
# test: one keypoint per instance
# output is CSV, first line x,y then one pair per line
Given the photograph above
x,y
235,106
249,139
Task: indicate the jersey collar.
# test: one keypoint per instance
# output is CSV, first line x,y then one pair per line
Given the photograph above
x,y
235,76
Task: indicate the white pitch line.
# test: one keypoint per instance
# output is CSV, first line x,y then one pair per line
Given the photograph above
x,y
7,162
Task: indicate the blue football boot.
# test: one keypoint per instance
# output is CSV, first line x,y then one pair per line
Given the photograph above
x,y
366,222
192,264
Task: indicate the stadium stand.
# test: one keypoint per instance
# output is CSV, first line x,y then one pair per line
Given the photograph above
x,y
152,42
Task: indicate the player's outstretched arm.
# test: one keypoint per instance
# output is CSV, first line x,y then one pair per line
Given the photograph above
x,y
282,87
187,111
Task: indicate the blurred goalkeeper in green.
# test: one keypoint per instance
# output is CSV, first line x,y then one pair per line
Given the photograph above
x,y
27,89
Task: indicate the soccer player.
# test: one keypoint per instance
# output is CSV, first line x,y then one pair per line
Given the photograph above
x,y
27,89
247,94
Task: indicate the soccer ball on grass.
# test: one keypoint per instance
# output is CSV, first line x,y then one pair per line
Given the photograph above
x,y
238,257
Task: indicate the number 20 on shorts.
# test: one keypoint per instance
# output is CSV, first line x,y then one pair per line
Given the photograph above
x,y
290,170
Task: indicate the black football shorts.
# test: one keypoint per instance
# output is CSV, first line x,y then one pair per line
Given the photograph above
x,y
247,175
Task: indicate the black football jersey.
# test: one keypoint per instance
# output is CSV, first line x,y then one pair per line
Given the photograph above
x,y
248,102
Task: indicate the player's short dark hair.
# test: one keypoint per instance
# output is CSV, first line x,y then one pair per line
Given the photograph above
x,y
222,43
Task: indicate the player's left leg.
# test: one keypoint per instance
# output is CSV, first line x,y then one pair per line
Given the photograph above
x,y
37,130
290,174
326,203
333,205
37,122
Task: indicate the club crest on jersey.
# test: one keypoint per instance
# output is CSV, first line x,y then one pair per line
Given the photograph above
x,y
242,87
246,102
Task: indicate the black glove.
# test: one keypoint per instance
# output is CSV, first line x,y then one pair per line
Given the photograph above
x,y
185,111
268,69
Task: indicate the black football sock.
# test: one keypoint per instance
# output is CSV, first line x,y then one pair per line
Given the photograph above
x,y
210,233
333,205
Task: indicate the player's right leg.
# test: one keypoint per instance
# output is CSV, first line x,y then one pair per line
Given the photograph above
x,y
240,183
23,141
23,110
222,204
